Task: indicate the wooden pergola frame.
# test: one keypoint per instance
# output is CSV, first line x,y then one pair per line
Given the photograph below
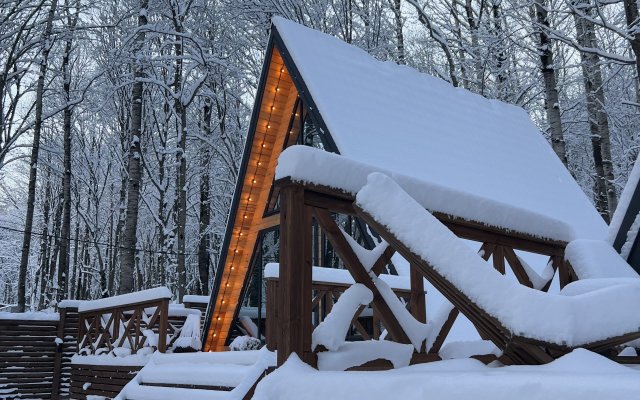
x,y
301,203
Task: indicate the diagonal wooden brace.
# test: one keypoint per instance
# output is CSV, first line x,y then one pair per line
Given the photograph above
x,y
360,274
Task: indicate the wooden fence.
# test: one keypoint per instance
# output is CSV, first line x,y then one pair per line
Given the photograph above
x,y
35,356
100,380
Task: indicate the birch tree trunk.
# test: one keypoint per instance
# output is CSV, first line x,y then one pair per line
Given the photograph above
x,y
129,238
181,179
65,233
205,211
606,197
397,14
551,98
33,164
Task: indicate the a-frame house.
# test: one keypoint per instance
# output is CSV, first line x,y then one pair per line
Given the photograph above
x,y
319,91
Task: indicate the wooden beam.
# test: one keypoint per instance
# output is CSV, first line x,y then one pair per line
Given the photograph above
x,y
517,267
465,229
360,274
384,259
295,275
417,304
444,331
498,259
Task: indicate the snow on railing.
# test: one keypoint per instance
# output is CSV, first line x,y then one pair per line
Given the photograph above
x,y
126,323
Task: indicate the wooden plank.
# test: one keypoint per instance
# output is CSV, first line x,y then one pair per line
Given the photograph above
x,y
57,366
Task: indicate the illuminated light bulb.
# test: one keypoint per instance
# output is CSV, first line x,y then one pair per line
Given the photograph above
x,y
264,145
249,198
245,216
259,163
227,285
232,267
268,126
219,318
296,114
277,89
222,301
254,181
282,70
273,107
215,334
236,251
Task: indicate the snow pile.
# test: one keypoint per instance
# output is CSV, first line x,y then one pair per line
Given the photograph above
x,y
580,375
597,259
340,276
243,343
366,257
331,332
179,310
189,335
31,316
415,330
468,349
563,320
124,299
590,285
124,358
191,298
70,303
353,354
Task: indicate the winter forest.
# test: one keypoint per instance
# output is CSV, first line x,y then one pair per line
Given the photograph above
x,y
123,121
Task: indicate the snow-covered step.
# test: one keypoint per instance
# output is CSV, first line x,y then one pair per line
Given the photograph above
x,y
219,375
141,392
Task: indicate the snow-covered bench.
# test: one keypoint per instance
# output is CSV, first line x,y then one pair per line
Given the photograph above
x,y
529,325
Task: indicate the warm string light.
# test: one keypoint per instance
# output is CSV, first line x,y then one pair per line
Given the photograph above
x,y
249,200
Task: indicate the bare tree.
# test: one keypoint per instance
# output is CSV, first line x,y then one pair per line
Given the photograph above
x,y
47,44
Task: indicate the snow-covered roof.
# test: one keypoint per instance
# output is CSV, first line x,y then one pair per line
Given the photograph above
x,y
400,120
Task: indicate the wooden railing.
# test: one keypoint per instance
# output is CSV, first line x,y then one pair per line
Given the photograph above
x,y
366,323
133,326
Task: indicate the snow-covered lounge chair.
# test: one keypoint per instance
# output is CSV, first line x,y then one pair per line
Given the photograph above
x,y
530,326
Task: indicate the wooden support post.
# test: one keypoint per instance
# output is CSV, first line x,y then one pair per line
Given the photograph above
x,y
563,272
295,275
498,259
417,302
164,325
273,287
57,361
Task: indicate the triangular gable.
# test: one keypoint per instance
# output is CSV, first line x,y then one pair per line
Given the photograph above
x,y
281,100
